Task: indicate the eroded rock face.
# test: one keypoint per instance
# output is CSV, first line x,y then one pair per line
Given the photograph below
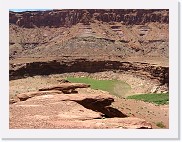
x,y
149,71
58,18
71,111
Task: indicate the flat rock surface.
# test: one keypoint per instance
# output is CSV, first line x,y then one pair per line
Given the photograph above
x,y
71,111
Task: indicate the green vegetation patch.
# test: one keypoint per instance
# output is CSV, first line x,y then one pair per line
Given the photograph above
x,y
159,99
160,124
115,87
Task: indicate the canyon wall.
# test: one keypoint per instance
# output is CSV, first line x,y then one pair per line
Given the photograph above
x,y
146,70
67,18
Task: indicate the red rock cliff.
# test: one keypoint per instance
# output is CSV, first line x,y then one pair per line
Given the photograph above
x,y
58,18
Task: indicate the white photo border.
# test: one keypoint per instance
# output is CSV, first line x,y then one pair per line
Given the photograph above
x,y
171,133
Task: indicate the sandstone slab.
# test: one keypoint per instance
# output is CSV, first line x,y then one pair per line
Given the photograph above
x,y
71,111
65,86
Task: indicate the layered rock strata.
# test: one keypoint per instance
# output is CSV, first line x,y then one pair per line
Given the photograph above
x,y
58,18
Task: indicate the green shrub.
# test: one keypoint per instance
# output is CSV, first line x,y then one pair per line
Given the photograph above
x,y
160,124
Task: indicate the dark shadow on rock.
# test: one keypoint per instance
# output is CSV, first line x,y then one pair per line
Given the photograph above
x,y
71,91
102,106
144,128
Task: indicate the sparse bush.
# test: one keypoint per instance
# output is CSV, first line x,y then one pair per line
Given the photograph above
x,y
160,124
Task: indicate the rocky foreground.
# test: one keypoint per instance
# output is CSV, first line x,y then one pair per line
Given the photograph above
x,y
61,107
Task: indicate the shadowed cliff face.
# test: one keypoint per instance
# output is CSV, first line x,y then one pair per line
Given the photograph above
x,y
55,67
67,18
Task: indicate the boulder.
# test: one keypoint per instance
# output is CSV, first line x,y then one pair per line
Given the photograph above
x,y
13,99
25,96
65,86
